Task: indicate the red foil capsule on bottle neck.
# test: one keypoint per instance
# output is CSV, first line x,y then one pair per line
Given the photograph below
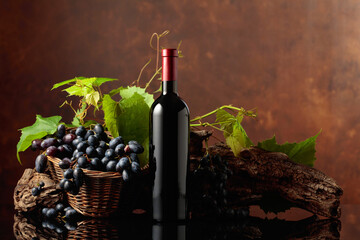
x,y
169,64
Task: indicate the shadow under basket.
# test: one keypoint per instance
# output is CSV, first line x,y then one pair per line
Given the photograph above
x,y
103,193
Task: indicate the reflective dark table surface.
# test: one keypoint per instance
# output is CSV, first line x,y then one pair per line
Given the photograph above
x,y
293,224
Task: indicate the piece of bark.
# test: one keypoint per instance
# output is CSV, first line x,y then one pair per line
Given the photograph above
x,y
258,172
23,199
25,228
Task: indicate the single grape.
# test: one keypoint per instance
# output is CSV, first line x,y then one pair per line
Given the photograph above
x,y
82,162
78,173
70,225
116,141
41,184
62,183
133,142
68,186
79,154
119,149
93,141
59,229
75,152
111,166
133,157
68,174
51,224
60,153
49,142
35,191
51,151
40,163
81,147
36,144
135,167
44,211
136,148
80,131
67,208
91,152
68,150
105,161
65,163
100,152
51,213
59,207
88,134
98,129
124,163
68,138
77,141
60,131
118,167
126,175
96,164
110,153
71,214
103,145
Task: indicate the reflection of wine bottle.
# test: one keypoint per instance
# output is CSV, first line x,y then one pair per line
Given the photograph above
x,y
169,143
168,231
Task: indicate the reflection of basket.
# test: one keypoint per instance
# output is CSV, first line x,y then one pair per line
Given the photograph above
x,y
102,193
95,229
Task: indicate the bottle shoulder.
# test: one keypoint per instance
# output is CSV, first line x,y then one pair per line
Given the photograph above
x,y
169,102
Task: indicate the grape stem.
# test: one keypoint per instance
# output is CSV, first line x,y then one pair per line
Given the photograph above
x,y
242,110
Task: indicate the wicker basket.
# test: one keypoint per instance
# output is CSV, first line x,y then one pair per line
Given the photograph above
x,y
103,193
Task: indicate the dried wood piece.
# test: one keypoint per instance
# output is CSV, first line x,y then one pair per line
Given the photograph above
x,y
23,199
258,172
25,229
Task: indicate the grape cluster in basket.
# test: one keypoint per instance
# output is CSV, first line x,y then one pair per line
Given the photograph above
x,y
88,149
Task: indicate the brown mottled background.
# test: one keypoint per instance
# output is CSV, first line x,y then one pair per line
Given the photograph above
x,y
297,62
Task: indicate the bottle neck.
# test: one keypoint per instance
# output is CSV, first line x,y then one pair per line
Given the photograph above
x,y
169,87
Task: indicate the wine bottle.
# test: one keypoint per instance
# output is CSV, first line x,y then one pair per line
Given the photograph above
x,y
169,145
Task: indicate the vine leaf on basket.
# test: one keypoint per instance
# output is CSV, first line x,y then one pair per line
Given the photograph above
x,y
41,128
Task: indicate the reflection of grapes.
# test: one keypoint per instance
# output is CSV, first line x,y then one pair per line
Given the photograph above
x,y
60,219
207,193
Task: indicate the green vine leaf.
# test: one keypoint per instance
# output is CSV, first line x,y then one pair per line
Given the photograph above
x,y
41,128
234,134
112,111
66,82
93,98
128,92
302,152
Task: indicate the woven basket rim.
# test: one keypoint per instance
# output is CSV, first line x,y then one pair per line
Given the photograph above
x,y
95,173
